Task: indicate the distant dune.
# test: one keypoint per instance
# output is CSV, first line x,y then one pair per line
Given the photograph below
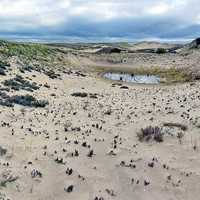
x,y
153,45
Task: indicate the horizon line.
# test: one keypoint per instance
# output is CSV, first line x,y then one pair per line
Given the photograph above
x,y
71,39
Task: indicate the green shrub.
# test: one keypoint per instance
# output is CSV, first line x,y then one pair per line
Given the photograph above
x,y
161,51
28,100
24,100
19,82
3,67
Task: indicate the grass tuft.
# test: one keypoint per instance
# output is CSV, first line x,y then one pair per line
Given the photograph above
x,y
150,133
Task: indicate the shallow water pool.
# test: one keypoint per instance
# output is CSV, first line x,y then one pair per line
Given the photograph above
x,y
131,78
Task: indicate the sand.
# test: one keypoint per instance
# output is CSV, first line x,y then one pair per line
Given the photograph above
x,y
86,148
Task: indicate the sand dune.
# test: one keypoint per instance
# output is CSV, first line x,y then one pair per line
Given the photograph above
x,y
79,140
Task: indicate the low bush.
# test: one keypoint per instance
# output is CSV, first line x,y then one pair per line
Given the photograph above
x,y
51,74
150,133
161,51
19,82
28,100
3,67
24,100
80,94
2,72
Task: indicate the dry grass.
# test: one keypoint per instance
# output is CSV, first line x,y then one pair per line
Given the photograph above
x,y
150,133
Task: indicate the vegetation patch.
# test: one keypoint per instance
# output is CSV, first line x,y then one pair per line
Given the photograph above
x,y
4,64
24,100
2,151
7,177
2,72
51,74
19,83
84,94
183,127
29,51
80,94
150,133
161,51
28,68
3,67
4,89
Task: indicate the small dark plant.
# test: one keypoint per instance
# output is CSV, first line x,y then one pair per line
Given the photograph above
x,y
150,133
24,100
161,51
80,94
19,83
3,67
51,74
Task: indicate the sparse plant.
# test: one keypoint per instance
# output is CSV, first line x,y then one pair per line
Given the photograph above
x,y
19,82
28,100
161,51
24,100
2,72
51,74
3,67
150,133
180,135
80,94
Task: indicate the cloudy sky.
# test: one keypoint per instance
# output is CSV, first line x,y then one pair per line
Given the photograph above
x,y
100,19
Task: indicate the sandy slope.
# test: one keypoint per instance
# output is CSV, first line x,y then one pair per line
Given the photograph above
x,y
151,45
42,143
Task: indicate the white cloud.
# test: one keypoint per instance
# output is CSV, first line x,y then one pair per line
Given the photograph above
x,y
197,20
36,14
159,9
95,11
43,12
17,8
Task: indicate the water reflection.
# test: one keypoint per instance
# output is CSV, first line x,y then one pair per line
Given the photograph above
x,y
132,78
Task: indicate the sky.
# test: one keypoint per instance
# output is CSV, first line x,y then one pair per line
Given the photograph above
x,y
99,20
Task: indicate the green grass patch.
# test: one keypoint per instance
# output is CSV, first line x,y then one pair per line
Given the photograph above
x,y
29,51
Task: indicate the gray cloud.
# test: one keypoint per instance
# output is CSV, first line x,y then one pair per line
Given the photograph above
x,y
100,19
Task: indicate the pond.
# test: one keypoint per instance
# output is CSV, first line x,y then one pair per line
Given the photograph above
x,y
132,78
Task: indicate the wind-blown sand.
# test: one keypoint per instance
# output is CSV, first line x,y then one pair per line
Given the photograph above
x,y
86,148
